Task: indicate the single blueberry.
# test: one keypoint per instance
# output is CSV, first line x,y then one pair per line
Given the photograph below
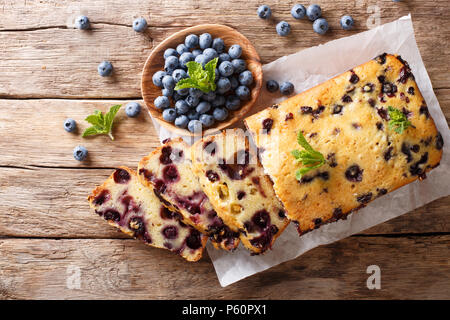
x,y
139,24
210,96
218,101
70,125
234,82
167,92
313,12
210,54
264,12
168,82
203,107
181,121
220,114
298,11
286,88
201,58
170,52
239,65
197,52
233,102
224,57
181,48
272,85
105,68
223,85
157,78
182,107
320,26
185,58
179,74
207,120
195,126
171,63
193,114
243,92
82,23
192,101
226,69
218,45
132,109
347,22
205,40
183,92
176,96
80,153
235,51
246,78
169,114
162,102
191,41
283,28
195,92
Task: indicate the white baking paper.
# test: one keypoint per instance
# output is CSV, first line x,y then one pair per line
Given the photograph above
x,y
306,69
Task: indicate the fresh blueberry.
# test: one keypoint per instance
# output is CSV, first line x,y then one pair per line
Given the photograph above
x,y
197,52
234,82
223,85
195,126
139,24
283,28
264,12
168,82
286,88
226,69
183,92
197,93
246,78
313,12
192,101
169,114
224,57
218,101
167,92
193,114
235,51
105,68
201,58
203,107
298,11
132,109
182,107
216,75
181,48
347,22
233,103
272,85
218,45
162,102
157,78
82,23
70,125
205,40
210,54
182,121
191,41
171,63
243,92
185,58
206,120
170,52
320,26
220,114
179,74
80,153
210,96
239,65
176,96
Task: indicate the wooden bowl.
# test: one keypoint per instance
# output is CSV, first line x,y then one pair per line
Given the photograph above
x,y
230,36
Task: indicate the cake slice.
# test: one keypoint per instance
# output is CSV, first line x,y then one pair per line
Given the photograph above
x,y
238,189
168,170
371,125
133,208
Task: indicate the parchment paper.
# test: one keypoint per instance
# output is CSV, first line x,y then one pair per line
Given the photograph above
x,y
306,69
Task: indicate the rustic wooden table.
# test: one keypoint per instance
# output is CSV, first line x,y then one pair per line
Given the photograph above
x,y
48,236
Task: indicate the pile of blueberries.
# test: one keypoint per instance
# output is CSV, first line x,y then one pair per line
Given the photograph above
x,y
190,107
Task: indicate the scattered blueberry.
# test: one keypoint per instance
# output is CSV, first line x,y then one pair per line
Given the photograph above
x,y
264,12
80,153
224,57
223,85
246,78
313,12
193,114
226,69
210,54
201,58
70,125
179,74
157,78
320,26
192,101
167,92
206,120
203,107
272,85
218,45
218,101
235,51
197,52
191,41
105,68
181,48
205,40
162,102
169,114
82,23
239,65
286,88
210,96
195,126
347,22
181,107
220,114
233,103
139,24
182,121
185,58
195,92
283,28
170,52
298,11
132,109
243,93
168,82
171,63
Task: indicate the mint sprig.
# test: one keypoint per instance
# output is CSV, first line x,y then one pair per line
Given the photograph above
x,y
398,121
200,78
309,157
101,124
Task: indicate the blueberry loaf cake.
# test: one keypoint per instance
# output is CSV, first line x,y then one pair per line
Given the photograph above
x,y
239,190
363,134
168,171
133,208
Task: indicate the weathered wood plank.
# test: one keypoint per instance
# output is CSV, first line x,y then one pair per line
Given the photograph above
x,y
45,202
411,268
51,59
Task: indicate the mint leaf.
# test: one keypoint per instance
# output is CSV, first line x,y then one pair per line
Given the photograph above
x,y
186,83
210,69
398,121
101,124
199,78
309,157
